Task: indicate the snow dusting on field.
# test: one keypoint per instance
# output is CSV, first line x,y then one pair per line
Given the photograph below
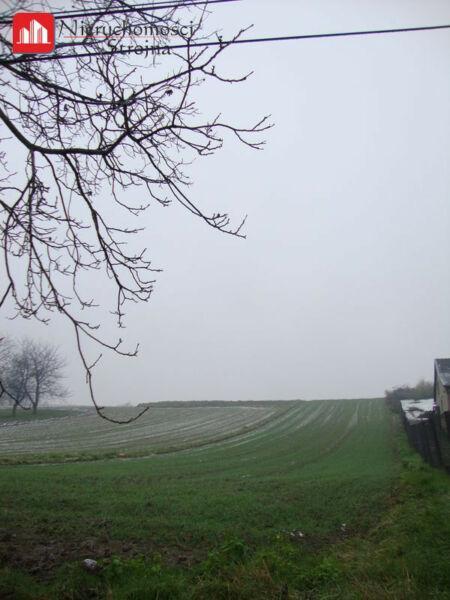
x,y
158,429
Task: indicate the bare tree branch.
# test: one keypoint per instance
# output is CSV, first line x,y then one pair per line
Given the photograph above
x,y
97,127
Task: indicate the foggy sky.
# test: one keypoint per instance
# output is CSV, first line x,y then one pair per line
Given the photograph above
x,y
342,286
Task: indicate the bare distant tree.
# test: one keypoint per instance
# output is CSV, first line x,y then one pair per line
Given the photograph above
x,y
16,376
92,121
34,374
6,353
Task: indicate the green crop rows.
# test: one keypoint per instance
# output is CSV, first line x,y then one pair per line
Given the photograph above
x,y
229,502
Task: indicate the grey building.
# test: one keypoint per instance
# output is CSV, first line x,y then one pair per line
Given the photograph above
x,y
442,390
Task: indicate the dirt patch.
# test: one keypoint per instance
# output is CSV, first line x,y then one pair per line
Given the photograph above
x,y
41,558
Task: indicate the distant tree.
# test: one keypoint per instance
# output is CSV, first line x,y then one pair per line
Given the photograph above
x,y
423,389
6,352
16,378
34,374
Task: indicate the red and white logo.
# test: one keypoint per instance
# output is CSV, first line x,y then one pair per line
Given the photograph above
x,y
33,33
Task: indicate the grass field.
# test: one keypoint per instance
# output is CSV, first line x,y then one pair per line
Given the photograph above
x,y
291,500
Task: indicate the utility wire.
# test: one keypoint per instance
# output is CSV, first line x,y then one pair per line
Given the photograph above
x,y
148,6
222,43
163,4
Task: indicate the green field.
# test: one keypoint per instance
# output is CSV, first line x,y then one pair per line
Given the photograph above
x,y
290,500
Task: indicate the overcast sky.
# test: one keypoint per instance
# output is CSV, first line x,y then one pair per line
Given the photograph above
x,y
342,287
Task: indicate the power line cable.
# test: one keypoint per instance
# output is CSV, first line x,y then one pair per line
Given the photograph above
x,y
63,14
163,4
221,43
148,6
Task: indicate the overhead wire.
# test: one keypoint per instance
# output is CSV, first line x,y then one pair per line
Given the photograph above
x,y
144,7
222,43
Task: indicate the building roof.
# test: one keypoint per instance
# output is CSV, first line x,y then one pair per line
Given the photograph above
x,y
443,370
417,410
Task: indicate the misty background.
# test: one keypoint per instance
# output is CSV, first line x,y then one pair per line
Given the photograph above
x,y
342,286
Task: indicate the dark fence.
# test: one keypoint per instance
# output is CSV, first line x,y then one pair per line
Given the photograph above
x,y
424,436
